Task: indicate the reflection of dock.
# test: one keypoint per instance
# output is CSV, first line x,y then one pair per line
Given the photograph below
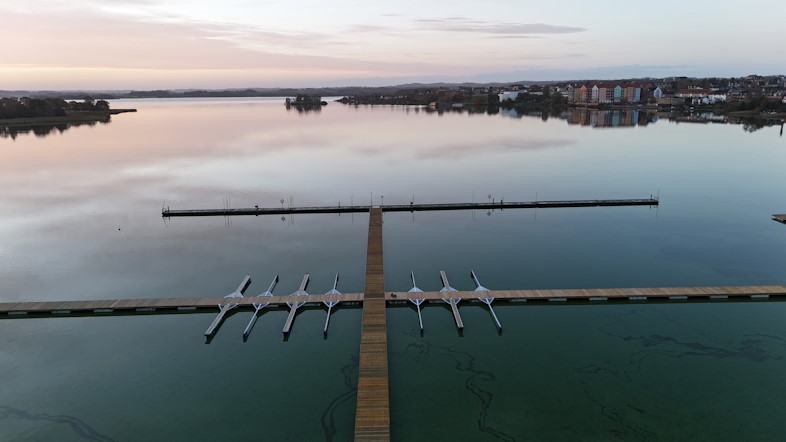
x,y
502,205
779,218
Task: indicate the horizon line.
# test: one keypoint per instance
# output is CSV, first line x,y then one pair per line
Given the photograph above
x,y
391,85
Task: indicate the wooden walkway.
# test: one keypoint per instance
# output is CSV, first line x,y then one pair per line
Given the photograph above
x,y
372,418
163,305
204,304
632,294
259,211
780,218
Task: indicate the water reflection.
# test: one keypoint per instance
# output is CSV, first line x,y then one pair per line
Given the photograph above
x,y
305,108
749,124
610,118
12,131
83,222
597,118
754,124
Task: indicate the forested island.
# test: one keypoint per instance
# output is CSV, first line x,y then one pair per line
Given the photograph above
x,y
28,110
44,116
472,99
305,103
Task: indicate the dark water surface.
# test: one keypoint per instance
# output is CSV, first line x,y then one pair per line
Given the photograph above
x,y
81,220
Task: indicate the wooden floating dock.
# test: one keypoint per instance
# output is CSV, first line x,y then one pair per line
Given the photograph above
x,y
372,416
202,304
148,306
779,218
161,305
259,211
607,294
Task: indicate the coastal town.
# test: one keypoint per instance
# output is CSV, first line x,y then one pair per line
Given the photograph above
x,y
761,92
753,101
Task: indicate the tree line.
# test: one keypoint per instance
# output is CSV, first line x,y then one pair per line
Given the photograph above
x,y
756,103
27,107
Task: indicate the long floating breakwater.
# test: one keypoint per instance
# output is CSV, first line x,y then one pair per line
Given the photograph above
x,y
498,205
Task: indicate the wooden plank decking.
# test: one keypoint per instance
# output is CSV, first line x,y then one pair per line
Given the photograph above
x,y
167,305
779,218
372,418
606,293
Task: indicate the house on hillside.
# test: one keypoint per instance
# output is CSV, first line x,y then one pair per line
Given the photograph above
x,y
632,93
567,92
701,96
594,93
617,97
605,93
581,94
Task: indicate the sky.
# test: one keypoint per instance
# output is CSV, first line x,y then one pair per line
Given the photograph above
x,y
170,44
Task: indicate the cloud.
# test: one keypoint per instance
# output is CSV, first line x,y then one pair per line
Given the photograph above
x,y
89,39
464,24
362,28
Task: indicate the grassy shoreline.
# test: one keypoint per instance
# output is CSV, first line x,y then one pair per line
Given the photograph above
x,y
71,117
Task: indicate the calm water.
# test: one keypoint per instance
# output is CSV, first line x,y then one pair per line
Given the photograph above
x,y
81,220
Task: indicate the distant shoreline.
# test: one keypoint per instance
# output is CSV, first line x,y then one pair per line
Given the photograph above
x,y
71,117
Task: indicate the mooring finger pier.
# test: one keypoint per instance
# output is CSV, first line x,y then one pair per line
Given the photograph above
x,y
372,419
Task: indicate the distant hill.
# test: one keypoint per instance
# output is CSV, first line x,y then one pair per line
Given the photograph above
x,y
753,81
247,92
